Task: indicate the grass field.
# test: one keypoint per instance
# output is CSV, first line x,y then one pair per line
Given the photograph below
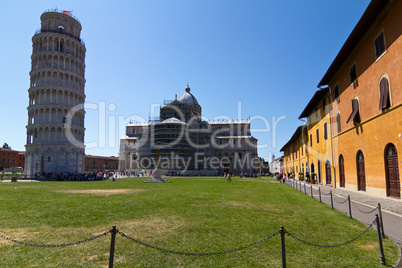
x,y
188,214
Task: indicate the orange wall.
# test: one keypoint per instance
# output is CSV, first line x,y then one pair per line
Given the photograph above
x,y
377,128
369,71
295,157
93,163
8,158
321,151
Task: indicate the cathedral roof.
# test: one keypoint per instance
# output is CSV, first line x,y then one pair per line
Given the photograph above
x,y
188,98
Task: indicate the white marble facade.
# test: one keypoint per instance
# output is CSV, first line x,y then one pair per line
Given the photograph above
x,y
55,130
188,145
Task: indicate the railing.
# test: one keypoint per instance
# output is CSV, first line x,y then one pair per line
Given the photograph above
x,y
61,11
59,31
298,186
282,231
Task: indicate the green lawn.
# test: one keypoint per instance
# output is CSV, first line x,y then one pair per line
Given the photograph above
x,y
188,214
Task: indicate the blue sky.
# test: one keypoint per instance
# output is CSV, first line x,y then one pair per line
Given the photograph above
x,y
266,57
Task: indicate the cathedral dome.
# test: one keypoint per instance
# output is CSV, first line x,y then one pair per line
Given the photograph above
x,y
188,98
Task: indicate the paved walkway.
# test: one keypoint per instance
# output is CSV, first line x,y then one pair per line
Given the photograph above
x,y
363,207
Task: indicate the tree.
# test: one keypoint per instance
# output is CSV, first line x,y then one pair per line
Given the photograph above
x,y
264,165
5,146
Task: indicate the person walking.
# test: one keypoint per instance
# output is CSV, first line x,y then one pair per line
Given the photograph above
x,y
228,177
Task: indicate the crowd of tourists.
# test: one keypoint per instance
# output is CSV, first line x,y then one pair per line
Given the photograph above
x,y
112,174
74,176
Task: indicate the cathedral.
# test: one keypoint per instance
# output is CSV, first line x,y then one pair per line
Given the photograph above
x,y
180,142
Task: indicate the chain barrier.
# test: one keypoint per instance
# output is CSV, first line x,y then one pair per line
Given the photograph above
x,y
322,193
195,253
332,246
340,202
281,231
368,212
54,246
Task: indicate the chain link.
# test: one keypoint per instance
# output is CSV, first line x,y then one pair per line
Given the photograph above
x,y
195,253
315,191
322,193
368,212
340,202
331,246
53,246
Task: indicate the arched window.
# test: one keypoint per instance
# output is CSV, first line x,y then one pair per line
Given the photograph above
x,y
385,100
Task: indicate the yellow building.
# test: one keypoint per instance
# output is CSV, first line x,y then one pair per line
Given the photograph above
x,y
319,145
365,81
295,160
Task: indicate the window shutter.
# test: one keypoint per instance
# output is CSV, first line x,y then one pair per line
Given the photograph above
x,y
353,74
336,92
338,123
384,94
379,45
352,115
356,118
381,95
355,112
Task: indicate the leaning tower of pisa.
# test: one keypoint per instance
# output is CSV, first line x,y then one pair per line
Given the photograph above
x,y
55,130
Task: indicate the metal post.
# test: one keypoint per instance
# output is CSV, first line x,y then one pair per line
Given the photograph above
x,y
319,192
282,231
350,208
332,202
382,224
311,190
111,258
380,239
304,188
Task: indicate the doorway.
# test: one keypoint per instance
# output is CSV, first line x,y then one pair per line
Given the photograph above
x,y
361,174
341,171
392,170
319,171
328,173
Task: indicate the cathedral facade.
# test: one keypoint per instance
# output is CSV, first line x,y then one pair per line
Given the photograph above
x,y
180,142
